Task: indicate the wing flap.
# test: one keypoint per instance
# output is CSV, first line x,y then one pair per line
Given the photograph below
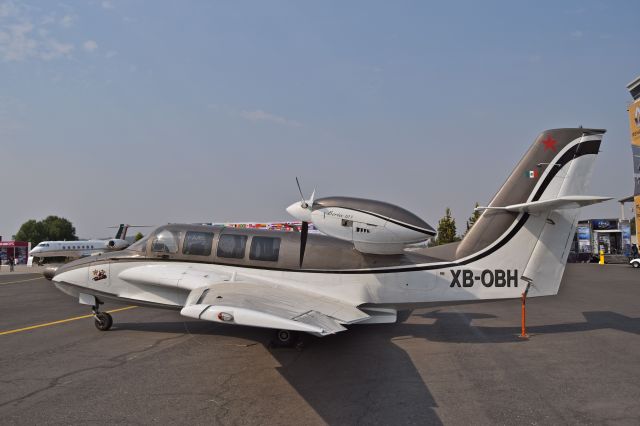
x,y
317,319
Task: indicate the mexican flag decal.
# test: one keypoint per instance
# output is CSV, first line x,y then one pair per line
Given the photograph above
x,y
532,174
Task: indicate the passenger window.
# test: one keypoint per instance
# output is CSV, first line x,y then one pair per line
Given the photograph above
x,y
198,243
165,242
265,248
232,246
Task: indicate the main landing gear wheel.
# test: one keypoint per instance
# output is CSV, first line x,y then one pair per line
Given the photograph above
x,y
103,321
285,338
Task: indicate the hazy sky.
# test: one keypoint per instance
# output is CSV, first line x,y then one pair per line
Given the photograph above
x,y
154,112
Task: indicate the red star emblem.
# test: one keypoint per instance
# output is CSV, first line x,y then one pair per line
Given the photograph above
x,y
549,143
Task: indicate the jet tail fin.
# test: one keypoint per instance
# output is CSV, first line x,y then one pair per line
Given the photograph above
x,y
120,235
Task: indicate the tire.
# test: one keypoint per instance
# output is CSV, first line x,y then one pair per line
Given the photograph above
x,y
635,264
103,321
286,338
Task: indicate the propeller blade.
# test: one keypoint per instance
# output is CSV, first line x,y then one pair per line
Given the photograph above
x,y
304,231
303,203
313,196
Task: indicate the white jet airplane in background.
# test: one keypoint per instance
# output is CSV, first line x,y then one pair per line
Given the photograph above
x,y
79,249
360,271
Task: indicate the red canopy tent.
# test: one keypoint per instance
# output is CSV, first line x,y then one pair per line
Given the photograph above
x,y
19,250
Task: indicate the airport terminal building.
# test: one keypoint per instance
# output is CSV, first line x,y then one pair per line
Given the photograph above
x,y
612,236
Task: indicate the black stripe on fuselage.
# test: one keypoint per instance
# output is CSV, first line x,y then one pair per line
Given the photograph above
x,y
403,224
580,149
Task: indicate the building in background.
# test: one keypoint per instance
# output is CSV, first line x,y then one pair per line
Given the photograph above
x,y
634,123
19,250
612,236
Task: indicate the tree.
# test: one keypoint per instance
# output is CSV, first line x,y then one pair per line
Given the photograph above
x,y
447,229
139,236
472,219
52,228
32,231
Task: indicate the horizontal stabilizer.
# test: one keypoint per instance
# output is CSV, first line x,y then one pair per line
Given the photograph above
x,y
564,202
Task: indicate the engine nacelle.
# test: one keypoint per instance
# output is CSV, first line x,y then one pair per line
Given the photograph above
x,y
116,244
373,226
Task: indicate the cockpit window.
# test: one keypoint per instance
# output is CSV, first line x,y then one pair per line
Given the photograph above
x,y
265,248
232,246
165,242
197,243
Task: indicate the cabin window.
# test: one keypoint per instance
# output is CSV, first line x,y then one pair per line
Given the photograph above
x,y
232,246
198,243
165,242
265,248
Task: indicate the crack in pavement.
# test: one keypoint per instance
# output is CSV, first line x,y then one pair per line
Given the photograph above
x,y
119,360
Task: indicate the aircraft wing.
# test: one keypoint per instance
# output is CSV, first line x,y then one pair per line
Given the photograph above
x,y
270,306
564,202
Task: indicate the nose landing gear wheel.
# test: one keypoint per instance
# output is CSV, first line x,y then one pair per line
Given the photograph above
x,y
103,321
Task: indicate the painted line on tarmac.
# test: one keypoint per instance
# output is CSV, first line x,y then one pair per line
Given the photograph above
x,y
22,281
32,327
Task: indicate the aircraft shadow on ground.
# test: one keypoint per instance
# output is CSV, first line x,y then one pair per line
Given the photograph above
x,y
458,328
362,376
448,327
350,378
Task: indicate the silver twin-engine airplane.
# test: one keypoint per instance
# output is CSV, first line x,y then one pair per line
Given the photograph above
x,y
360,271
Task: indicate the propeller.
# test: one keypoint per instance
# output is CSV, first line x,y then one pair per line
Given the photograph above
x,y
303,204
304,230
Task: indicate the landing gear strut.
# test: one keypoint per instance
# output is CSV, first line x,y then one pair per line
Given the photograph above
x,y
102,320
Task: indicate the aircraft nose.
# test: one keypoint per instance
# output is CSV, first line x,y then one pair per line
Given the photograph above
x,y
298,212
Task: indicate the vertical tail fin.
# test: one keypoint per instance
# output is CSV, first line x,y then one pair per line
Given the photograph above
x,y
121,232
536,243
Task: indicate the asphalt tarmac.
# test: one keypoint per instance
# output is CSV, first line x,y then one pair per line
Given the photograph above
x,y
455,364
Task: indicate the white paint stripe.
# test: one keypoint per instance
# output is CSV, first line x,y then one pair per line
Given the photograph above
x,y
22,281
